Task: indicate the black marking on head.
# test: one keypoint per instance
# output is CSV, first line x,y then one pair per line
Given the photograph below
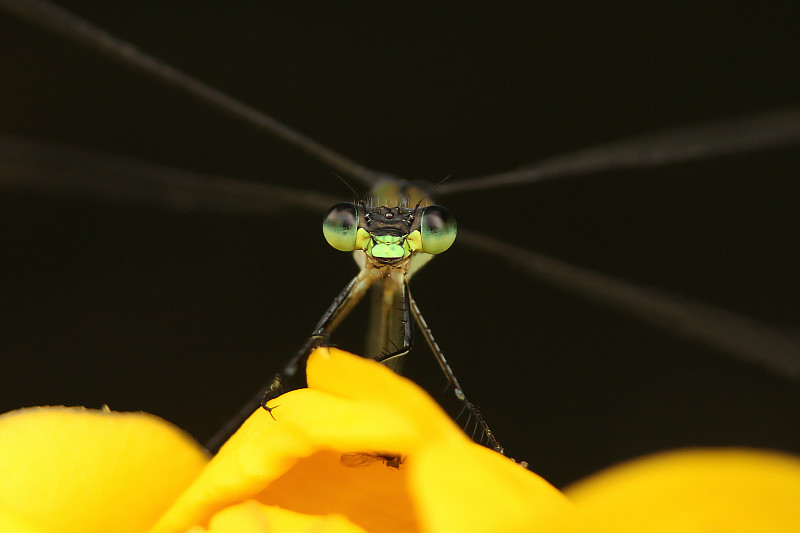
x,y
397,221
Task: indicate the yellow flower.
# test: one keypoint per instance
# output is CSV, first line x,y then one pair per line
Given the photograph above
x,y
307,460
693,490
361,449
72,469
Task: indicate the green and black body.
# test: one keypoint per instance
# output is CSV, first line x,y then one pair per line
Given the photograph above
x,y
390,242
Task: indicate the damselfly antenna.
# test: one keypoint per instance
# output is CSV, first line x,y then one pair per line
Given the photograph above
x,y
347,184
431,191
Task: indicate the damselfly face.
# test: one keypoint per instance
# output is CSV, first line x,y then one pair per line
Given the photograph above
x,y
389,234
186,314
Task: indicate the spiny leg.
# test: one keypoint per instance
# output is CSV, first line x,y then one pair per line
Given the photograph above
x,y
286,380
480,423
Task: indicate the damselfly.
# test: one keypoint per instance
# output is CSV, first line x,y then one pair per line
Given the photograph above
x,y
186,314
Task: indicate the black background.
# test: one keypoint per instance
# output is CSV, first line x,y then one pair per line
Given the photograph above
x,y
186,315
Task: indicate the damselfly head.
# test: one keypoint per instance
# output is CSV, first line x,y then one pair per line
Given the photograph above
x,y
389,234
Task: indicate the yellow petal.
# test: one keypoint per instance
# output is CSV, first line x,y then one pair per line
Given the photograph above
x,y
298,460
455,484
74,469
254,517
12,522
472,488
294,462
700,490
360,379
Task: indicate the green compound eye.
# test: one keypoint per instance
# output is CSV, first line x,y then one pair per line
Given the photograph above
x,y
340,227
438,229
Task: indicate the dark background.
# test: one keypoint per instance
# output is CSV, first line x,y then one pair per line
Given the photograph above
x,y
186,315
